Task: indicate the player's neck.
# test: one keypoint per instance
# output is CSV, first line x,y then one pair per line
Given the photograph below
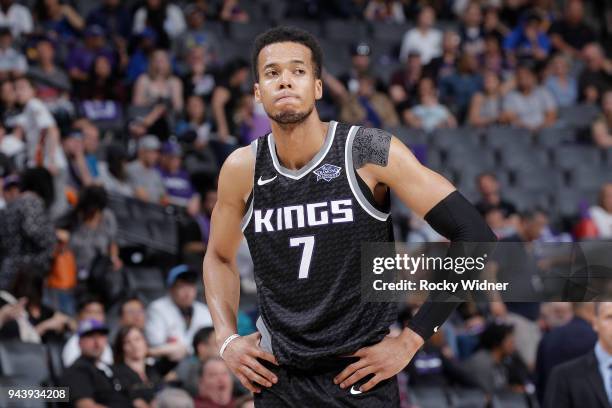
x,y
297,145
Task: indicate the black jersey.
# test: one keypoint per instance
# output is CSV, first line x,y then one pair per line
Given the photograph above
x,y
304,229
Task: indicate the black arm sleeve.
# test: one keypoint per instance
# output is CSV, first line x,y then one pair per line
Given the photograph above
x,y
458,220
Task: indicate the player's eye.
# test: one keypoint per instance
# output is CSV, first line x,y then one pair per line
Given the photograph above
x,y
300,71
271,74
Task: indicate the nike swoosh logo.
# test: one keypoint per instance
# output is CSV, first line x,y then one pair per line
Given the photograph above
x,y
436,329
261,182
355,391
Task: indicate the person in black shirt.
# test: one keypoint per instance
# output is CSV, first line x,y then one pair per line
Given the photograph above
x,y
89,380
488,186
570,34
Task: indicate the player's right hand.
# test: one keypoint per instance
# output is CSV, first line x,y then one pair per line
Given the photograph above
x,y
241,356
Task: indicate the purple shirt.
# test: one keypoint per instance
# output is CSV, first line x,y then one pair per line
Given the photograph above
x,y
83,58
178,186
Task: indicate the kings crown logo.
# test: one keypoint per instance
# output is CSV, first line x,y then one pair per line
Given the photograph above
x,y
327,172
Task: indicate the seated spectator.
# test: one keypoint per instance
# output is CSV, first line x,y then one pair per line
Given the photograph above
x,y
601,130
139,380
361,63
446,64
429,114
492,26
16,16
528,40
457,89
59,20
164,17
197,231
113,17
424,38
204,347
176,317
197,35
403,87
194,127
492,58
142,173
490,197
91,380
145,44
173,398
384,11
595,79
368,107
570,33
113,172
91,144
601,214
89,308
198,81
132,313
564,343
102,95
530,106
226,97
9,109
486,106
26,230
160,93
50,80
176,180
495,366
215,386
471,32
560,83
232,12
78,173
13,64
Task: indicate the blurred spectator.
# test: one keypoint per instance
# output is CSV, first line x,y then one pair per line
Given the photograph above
x,y
12,63
565,343
512,11
446,64
163,17
91,144
103,92
361,63
403,87
80,62
58,19
113,17
495,366
472,35
596,76
226,97
490,197
232,12
197,231
176,180
492,26
93,230
89,308
528,40
530,106
160,93
384,11
50,80
113,172
456,90
16,16
198,35
197,80
560,83
9,109
429,114
246,401
78,173
176,317
139,380
585,381
146,43
570,34
142,173
555,314
26,232
194,128
216,387
204,348
424,38
368,107
486,106
91,380
132,313
602,127
601,214
173,398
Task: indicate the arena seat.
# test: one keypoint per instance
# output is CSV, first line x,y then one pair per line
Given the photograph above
x,y
409,136
345,31
509,400
390,33
468,398
578,116
522,156
538,178
313,27
555,136
147,282
447,137
569,157
246,31
527,199
23,364
589,177
499,137
429,397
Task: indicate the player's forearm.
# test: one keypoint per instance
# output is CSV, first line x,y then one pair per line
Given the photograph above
x,y
222,288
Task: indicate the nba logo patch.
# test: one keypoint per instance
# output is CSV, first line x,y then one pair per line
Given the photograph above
x,y
327,172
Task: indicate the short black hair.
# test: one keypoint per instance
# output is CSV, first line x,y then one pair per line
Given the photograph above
x,y
287,34
38,180
202,336
494,335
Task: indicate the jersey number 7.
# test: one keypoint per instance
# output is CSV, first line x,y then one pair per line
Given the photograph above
x,y
308,242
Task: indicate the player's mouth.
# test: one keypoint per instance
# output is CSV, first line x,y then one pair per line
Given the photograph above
x,y
285,97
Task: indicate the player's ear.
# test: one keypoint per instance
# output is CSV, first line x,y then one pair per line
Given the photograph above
x,y
256,92
318,89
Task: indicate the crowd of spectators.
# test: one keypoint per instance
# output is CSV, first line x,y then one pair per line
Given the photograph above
x,y
144,100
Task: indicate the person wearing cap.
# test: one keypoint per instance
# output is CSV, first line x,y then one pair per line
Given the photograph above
x,y
10,189
142,172
12,62
92,382
81,59
176,179
176,317
360,65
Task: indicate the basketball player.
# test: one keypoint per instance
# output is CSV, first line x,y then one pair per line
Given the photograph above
x,y
306,196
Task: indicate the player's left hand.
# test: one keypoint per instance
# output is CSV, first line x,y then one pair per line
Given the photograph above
x,y
384,360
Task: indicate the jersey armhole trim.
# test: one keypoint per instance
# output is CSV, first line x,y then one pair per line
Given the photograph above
x,y
352,179
247,216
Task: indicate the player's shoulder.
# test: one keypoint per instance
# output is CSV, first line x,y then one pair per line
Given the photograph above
x,y
237,172
240,161
371,145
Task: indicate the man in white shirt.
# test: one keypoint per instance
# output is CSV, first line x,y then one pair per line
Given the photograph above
x,y
177,316
16,16
12,62
424,38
